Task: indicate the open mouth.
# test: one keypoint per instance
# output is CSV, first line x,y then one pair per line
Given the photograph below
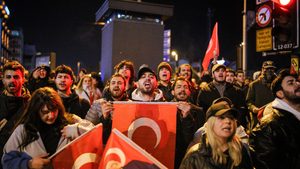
x,y
116,89
147,85
62,85
182,94
227,129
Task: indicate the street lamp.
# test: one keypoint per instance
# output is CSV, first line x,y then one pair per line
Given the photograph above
x,y
175,55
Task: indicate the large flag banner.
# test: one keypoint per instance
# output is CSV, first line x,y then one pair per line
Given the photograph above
x,y
151,125
121,152
82,153
212,49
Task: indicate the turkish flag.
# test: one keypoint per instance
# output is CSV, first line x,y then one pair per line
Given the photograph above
x,y
151,125
212,49
84,152
120,151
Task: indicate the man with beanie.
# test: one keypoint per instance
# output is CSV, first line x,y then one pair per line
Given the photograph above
x,y
164,71
275,141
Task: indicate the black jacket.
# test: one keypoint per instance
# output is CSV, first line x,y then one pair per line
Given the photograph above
x,y
276,142
202,159
107,123
185,129
75,105
259,94
209,93
11,109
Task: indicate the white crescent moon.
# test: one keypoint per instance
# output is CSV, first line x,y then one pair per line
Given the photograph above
x,y
84,159
118,152
144,121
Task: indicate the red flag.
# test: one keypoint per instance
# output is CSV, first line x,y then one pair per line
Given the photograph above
x,y
151,125
212,49
84,152
120,151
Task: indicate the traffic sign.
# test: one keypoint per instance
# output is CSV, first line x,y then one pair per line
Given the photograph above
x,y
264,39
263,15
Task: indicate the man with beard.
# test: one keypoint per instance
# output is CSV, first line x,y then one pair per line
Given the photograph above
x,y
12,100
259,93
147,86
126,69
64,78
185,70
164,71
230,75
276,140
189,117
100,111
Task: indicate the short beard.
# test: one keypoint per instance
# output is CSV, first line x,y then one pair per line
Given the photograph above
x,y
150,92
291,97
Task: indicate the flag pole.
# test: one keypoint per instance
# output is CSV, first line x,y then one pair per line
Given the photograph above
x,y
244,60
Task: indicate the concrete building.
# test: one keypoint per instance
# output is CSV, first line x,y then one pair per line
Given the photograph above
x,y
132,30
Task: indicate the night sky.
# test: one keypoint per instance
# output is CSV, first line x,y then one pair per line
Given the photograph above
x,y
67,28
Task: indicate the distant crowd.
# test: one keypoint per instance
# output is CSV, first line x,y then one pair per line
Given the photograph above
x,y
224,119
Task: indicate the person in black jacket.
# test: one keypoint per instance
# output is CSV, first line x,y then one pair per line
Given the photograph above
x,y
12,100
189,117
164,72
259,93
64,78
220,88
276,140
40,77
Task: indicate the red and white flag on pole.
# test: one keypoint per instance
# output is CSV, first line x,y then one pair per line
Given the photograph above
x,y
151,125
121,152
84,152
212,49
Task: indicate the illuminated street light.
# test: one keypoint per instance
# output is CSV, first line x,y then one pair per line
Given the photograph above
x,y
175,55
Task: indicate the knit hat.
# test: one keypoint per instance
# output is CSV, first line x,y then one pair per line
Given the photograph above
x,y
165,65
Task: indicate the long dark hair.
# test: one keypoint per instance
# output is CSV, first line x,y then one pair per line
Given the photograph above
x,y
31,117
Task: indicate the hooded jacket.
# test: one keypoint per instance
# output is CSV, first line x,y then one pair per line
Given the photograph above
x,y
136,95
275,142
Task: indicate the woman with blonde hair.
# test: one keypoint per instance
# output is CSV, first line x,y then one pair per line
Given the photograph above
x,y
86,90
219,146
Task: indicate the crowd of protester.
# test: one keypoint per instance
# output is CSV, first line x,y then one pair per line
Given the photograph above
x,y
224,119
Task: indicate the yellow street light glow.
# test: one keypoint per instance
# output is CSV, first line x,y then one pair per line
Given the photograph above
x,y
175,55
